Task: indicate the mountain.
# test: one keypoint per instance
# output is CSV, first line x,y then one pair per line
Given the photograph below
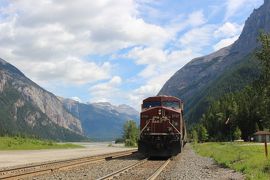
x,y
28,109
226,70
101,121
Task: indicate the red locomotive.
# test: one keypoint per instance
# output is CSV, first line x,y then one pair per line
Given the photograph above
x,y
162,127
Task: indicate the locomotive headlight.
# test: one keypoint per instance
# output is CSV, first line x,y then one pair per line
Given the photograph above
x,y
159,112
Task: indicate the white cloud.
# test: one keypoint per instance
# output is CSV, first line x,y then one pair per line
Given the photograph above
x,y
157,73
162,64
236,6
197,38
141,93
228,29
147,55
114,82
196,18
51,41
46,33
159,61
106,92
69,70
182,22
227,34
233,6
225,42
147,90
76,99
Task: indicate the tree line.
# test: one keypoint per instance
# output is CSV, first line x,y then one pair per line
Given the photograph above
x,y
242,113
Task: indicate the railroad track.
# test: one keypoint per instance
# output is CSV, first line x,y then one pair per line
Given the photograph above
x,y
48,167
126,171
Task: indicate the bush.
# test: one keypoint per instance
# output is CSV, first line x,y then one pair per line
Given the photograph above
x,y
130,143
203,135
119,140
199,133
237,134
194,136
131,133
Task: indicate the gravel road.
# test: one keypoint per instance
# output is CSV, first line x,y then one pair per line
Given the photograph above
x,y
190,166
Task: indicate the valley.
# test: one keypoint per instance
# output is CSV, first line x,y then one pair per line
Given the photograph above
x,y
134,89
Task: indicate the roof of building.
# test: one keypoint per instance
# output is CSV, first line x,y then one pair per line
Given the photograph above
x,y
262,133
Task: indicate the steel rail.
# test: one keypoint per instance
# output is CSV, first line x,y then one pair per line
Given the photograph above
x,y
126,169
47,167
159,170
123,170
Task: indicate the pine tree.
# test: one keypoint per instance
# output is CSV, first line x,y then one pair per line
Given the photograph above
x,y
237,133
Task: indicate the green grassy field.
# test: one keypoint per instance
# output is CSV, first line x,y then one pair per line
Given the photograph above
x,y
244,157
18,143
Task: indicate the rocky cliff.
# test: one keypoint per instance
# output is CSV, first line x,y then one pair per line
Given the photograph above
x,y
258,21
192,82
25,104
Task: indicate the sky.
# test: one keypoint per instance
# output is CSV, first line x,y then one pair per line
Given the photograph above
x,y
117,51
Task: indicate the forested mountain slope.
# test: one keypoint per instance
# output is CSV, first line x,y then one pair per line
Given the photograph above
x,y
226,70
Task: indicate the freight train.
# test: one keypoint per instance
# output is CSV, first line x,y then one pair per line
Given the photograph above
x,y
162,127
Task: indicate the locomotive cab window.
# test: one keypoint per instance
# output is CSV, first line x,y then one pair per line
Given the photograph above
x,y
171,104
151,104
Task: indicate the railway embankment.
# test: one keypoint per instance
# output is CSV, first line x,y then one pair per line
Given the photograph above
x,y
189,166
247,158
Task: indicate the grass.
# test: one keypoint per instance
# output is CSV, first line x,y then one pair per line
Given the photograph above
x,y
246,158
19,143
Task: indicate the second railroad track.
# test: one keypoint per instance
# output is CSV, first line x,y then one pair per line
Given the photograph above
x,y
144,169
48,167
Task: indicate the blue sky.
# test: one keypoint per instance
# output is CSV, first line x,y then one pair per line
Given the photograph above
x,y
119,51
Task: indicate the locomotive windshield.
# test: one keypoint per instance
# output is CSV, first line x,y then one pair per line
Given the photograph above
x,y
170,104
151,104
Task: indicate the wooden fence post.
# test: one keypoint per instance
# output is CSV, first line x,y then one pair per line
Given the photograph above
x,y
265,146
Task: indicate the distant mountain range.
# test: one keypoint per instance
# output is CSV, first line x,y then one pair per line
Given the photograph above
x,y
229,69
27,109
101,121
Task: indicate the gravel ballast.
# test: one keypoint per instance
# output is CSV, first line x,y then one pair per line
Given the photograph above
x,y
91,171
143,171
187,165
190,166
